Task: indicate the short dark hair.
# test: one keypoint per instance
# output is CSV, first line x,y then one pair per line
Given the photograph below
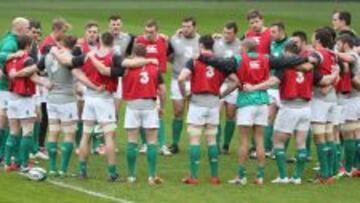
x,y
139,50
280,25
324,37
345,16
207,41
114,17
190,19
69,41
291,47
107,39
232,25
90,24
23,41
300,34
254,14
152,23
34,24
346,39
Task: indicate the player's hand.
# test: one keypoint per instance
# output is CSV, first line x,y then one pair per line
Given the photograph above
x,y
100,88
90,55
18,54
216,35
161,111
248,87
48,84
178,32
54,50
164,36
312,59
153,61
335,69
12,74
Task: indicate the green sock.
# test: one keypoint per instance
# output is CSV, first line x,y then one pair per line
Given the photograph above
x,y
194,160
357,158
151,158
260,172
300,163
17,153
67,148
79,132
229,131
10,147
213,154
52,152
323,159
35,134
332,158
131,158
177,126
218,136
83,167
161,133
112,170
143,135
308,143
25,149
4,132
268,138
338,157
242,171
281,162
349,148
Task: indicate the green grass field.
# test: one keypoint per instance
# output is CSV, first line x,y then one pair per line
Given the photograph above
x,y
211,17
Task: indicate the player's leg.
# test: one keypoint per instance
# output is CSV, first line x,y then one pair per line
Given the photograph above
x,y
109,136
230,123
152,140
52,143
194,132
260,153
10,150
301,155
213,152
131,154
4,133
80,124
27,141
357,154
36,129
349,136
68,126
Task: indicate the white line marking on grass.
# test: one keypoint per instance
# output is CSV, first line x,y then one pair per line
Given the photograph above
x,y
89,192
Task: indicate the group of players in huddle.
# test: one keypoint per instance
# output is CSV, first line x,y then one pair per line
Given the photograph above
x,y
272,87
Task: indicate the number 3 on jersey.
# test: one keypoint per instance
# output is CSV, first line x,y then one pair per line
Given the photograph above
x,y
210,72
144,77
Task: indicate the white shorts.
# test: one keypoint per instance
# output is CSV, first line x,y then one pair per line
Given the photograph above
x,y
175,93
199,115
64,112
4,99
230,98
252,115
291,119
99,109
21,108
323,112
41,94
141,118
118,93
274,96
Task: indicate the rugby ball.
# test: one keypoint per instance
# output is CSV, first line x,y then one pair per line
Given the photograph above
x,y
37,174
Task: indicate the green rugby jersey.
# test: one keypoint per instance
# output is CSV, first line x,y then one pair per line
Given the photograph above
x,y
8,45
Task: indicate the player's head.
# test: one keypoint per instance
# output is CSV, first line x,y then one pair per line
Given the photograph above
x,y
230,31
24,42
278,31
248,45
345,42
106,39
206,42
291,48
256,21
69,41
59,28
139,50
151,29
20,26
341,20
115,24
35,30
300,38
323,38
91,32
188,27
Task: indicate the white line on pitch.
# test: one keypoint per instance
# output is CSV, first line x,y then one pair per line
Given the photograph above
x,y
89,192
